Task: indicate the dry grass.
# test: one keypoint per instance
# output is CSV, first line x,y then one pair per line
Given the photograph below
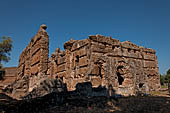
x,y
163,92
163,86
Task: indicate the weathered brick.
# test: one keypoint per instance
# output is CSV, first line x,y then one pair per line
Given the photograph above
x,y
101,60
83,61
95,70
35,58
61,68
149,64
35,69
83,70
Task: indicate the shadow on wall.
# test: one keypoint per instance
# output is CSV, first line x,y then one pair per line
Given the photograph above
x,y
83,96
85,89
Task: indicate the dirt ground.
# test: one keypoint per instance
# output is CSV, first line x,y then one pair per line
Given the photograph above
x,y
157,102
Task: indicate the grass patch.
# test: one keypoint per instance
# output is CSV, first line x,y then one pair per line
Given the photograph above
x,y
163,86
154,93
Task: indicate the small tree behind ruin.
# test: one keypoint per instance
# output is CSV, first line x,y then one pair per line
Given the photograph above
x,y
5,49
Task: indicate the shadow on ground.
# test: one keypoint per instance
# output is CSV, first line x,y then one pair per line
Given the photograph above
x,y
86,100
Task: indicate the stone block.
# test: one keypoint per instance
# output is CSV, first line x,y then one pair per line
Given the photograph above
x,y
129,45
61,60
95,70
83,61
79,44
96,81
149,56
36,58
34,69
83,70
61,68
35,48
81,52
61,74
149,64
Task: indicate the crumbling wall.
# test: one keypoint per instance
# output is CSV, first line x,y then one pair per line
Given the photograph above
x,y
151,69
106,62
34,59
77,62
127,67
71,65
33,65
123,67
101,65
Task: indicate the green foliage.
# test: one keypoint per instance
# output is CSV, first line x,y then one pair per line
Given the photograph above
x,y
165,78
168,72
162,79
5,49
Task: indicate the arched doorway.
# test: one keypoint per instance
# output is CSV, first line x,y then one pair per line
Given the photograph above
x,y
120,74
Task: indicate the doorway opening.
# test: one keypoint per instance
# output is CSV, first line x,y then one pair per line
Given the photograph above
x,y
120,78
120,75
141,85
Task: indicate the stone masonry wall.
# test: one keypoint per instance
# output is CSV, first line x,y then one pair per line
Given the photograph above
x,y
33,63
105,61
127,67
102,61
33,60
71,65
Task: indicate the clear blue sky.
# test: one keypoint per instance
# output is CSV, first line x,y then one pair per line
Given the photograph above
x,y
143,22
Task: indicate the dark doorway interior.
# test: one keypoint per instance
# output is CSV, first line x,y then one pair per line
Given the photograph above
x,y
120,78
141,85
120,74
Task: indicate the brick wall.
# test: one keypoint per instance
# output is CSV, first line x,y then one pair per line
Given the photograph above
x,y
105,61
34,58
101,60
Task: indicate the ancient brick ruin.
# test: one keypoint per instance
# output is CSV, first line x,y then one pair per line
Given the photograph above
x,y
103,61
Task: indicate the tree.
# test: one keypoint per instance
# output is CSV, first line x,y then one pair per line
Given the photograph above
x,y
162,79
167,76
5,49
168,72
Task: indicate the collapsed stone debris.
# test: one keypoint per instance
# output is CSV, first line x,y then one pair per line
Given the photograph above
x,y
102,61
